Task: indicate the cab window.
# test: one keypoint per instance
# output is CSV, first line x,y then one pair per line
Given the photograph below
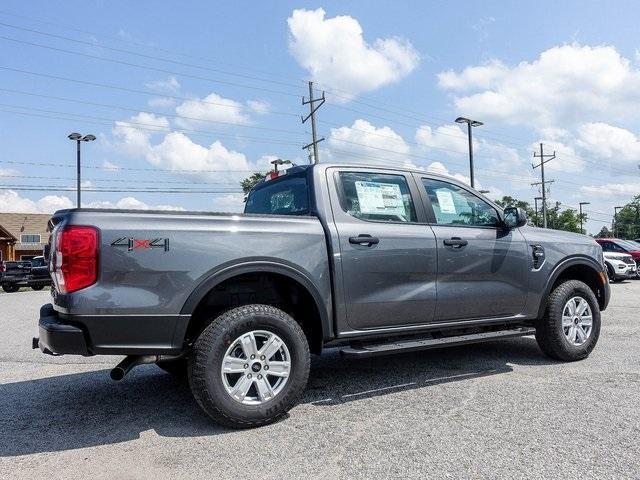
x,y
453,205
376,197
289,196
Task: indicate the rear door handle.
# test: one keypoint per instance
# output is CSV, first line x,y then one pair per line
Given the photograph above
x,y
455,242
364,239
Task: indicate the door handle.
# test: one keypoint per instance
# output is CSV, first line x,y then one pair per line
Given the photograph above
x,y
455,242
364,239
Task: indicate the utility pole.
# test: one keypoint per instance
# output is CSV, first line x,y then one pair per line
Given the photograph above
x,y
542,156
535,201
614,226
580,205
312,114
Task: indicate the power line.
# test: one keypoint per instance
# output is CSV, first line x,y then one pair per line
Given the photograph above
x,y
67,27
142,55
116,180
171,170
139,126
132,90
63,188
146,67
130,109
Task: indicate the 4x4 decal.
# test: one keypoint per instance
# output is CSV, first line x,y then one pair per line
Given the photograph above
x,y
136,243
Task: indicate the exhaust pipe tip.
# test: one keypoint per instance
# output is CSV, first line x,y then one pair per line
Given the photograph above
x,y
117,373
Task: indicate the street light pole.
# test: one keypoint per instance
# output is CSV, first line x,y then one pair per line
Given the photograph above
x,y
580,205
470,123
76,137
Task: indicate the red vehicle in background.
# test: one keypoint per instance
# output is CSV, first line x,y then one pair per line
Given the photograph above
x,y
621,246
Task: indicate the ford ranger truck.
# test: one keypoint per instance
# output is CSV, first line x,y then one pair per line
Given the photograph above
x,y
370,260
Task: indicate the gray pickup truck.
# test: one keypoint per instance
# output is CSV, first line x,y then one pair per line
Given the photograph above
x,y
370,260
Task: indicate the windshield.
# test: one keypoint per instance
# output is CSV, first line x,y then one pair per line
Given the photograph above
x,y
629,244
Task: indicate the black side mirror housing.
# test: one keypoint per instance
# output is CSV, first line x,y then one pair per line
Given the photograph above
x,y
514,217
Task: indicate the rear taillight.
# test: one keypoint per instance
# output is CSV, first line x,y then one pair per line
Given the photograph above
x,y
76,258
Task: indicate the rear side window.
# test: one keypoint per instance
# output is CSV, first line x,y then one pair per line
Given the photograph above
x,y
282,197
376,196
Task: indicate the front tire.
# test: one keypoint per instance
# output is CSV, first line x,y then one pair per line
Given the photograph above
x,y
10,288
570,328
249,366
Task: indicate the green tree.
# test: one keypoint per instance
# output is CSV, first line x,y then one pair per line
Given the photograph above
x,y
604,233
627,221
248,183
508,201
567,219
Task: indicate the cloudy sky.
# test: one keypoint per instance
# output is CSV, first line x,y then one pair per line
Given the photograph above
x,y
188,101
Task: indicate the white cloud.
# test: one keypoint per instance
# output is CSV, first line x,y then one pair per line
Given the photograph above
x,y
161,102
233,202
212,108
110,165
335,53
445,137
167,85
12,201
363,142
607,141
130,203
441,169
176,151
608,190
566,85
258,106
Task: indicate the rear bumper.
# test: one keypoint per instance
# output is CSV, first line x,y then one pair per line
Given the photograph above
x,y
87,335
59,338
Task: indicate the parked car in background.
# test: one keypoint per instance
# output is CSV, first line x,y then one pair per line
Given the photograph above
x,y
14,275
617,245
620,266
39,275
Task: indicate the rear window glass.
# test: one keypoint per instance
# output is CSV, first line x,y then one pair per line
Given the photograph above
x,y
282,197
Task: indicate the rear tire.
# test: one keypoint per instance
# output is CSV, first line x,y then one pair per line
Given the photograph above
x,y
37,288
10,288
565,334
249,366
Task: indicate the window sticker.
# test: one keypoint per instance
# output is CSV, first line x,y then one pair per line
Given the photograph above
x,y
380,198
445,200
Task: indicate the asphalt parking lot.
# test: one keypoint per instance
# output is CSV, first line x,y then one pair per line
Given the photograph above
x,y
498,410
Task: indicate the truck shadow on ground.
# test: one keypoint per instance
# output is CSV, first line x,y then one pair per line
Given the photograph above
x,y
87,409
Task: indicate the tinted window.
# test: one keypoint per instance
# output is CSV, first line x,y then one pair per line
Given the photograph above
x,y
376,196
453,205
282,197
612,247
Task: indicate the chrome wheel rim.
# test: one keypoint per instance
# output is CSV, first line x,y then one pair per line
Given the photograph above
x,y
577,321
256,367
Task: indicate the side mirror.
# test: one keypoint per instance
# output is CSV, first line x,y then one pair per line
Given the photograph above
x,y
514,217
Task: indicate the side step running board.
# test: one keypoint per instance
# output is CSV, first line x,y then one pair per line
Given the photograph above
x,y
362,350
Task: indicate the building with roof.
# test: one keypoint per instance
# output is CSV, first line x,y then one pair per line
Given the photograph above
x,y
23,235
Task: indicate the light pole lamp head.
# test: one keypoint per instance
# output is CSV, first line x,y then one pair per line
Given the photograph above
x,y
75,136
473,123
88,138
585,203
